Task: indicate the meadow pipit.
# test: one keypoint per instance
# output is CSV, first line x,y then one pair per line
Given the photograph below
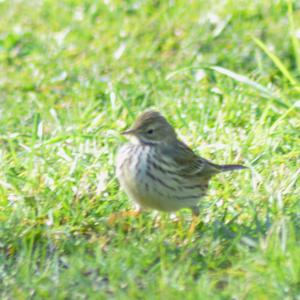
x,y
160,172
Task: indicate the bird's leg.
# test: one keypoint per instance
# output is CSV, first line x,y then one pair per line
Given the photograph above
x,y
195,220
113,218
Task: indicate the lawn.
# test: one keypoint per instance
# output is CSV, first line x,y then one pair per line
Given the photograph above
x,y
74,74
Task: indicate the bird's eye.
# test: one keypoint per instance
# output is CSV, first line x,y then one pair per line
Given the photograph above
x,y
150,131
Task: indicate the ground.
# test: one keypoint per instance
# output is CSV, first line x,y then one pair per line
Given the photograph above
x,y
73,74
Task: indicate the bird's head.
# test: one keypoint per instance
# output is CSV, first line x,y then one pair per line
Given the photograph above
x,y
151,128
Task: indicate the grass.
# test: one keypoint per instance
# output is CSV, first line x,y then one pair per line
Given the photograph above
x,y
74,73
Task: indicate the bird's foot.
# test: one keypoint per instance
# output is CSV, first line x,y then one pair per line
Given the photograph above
x,y
195,222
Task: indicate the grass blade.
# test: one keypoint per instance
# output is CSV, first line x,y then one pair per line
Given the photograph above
x,y
243,79
281,67
294,40
264,92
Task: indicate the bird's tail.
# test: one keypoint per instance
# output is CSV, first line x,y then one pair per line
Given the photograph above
x,y
225,168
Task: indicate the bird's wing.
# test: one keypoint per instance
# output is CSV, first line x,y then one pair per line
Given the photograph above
x,y
190,164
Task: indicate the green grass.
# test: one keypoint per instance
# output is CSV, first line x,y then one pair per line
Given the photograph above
x,y
74,73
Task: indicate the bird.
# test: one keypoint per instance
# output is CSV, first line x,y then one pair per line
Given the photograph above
x,y
160,172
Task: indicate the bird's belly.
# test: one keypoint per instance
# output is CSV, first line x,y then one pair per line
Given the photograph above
x,y
154,188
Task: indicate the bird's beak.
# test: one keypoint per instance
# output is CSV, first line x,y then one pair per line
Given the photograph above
x,y
128,132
